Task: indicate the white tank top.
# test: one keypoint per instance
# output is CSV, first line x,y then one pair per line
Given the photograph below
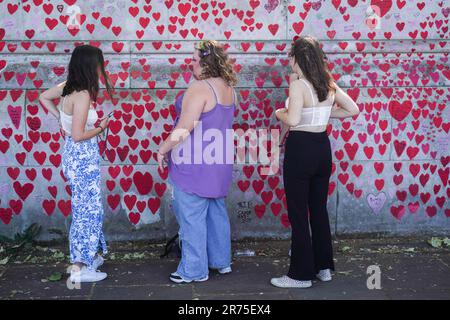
x,y
315,115
66,119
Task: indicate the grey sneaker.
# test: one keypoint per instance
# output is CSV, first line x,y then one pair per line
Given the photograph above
x,y
324,275
175,277
286,282
224,270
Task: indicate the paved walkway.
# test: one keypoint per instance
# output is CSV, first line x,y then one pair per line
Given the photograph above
x,y
410,269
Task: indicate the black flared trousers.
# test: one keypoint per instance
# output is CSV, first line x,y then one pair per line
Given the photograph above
x,y
306,174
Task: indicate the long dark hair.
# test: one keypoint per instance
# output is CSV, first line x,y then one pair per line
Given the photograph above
x,y
83,75
312,61
215,62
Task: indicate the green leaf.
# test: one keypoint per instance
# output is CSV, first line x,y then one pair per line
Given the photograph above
x,y
4,261
56,276
345,249
58,255
435,242
447,242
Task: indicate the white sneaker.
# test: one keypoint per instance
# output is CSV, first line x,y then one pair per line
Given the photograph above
x,y
286,282
86,275
224,270
324,275
98,262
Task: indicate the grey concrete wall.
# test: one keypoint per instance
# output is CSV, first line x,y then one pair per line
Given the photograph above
x,y
391,164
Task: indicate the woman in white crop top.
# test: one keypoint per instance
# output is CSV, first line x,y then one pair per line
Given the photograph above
x,y
81,158
66,120
307,161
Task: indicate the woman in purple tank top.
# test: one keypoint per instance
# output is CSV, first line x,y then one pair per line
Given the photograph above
x,y
200,156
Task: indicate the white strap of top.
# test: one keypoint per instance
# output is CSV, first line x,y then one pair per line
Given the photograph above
x,y
312,95
62,106
310,90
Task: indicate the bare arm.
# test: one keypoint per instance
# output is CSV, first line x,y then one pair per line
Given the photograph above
x,y
81,105
291,116
46,98
193,103
346,107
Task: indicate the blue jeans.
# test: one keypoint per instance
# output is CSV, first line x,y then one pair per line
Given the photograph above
x,y
204,234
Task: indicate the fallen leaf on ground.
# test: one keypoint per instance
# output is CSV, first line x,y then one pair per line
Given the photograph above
x,y
56,276
437,242
345,249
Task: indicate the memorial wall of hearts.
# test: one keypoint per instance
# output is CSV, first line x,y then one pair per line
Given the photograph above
x,y
391,164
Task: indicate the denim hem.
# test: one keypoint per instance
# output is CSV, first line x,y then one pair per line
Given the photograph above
x,y
215,268
196,193
191,278
300,278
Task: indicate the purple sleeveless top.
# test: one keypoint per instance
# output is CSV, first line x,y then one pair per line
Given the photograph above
x,y
207,170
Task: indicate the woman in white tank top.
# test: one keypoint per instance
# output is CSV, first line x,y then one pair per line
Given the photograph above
x,y
81,158
307,161
66,119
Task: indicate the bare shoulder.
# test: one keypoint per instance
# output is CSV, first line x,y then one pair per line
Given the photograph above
x,y
82,95
197,90
197,87
81,99
298,87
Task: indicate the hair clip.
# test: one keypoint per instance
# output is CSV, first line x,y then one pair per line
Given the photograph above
x,y
203,48
205,53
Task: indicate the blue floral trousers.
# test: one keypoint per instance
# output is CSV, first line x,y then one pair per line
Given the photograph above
x,y
81,166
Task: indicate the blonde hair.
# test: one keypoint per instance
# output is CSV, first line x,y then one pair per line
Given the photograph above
x,y
215,62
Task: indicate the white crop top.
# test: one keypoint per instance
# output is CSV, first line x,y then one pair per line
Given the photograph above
x,y
315,115
66,119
